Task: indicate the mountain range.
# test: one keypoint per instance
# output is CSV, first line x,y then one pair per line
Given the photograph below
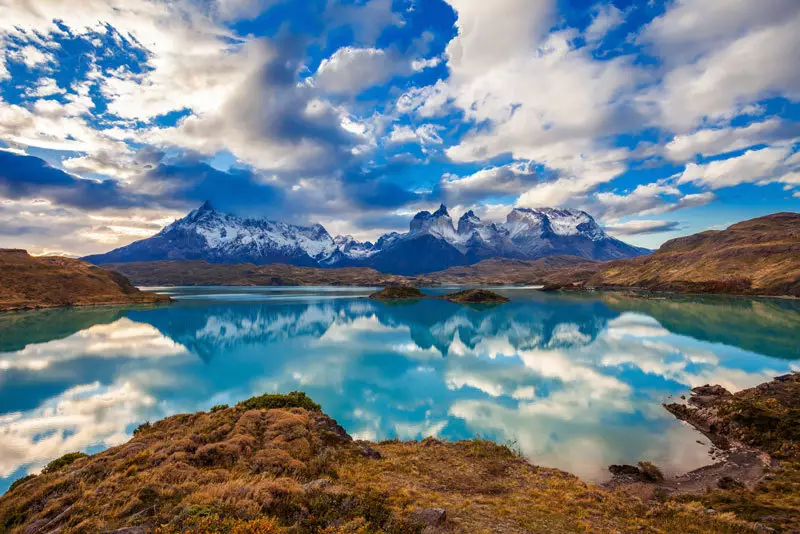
x,y
433,242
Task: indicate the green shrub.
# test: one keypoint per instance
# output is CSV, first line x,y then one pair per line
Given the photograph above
x,y
295,399
219,407
144,427
64,461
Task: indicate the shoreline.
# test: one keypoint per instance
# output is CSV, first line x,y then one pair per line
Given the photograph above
x,y
286,444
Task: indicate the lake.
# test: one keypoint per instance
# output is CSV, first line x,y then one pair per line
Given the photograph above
x,y
573,381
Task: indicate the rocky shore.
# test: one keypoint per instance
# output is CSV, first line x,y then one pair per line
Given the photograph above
x,y
276,463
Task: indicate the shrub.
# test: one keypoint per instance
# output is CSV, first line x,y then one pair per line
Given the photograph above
x,y
295,399
144,427
219,407
64,461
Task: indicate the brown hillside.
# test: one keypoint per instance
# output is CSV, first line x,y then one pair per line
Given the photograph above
x,y
201,273
277,464
49,282
759,257
504,271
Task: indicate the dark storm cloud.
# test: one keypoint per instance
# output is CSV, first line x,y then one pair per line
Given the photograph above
x,y
32,177
193,182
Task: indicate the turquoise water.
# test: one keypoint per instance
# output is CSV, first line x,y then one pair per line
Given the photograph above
x,y
572,381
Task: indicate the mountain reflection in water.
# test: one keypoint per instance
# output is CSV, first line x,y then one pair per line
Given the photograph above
x,y
573,381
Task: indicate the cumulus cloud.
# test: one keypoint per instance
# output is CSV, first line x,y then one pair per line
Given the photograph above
x,y
493,181
723,56
714,141
350,70
772,164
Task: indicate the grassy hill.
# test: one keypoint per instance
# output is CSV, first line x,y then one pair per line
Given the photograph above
x,y
48,282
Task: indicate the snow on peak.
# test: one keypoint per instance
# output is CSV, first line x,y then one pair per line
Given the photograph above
x,y
438,224
468,223
228,233
560,222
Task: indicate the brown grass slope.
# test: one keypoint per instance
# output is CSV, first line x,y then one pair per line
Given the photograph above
x,y
504,271
277,464
49,282
201,273
759,257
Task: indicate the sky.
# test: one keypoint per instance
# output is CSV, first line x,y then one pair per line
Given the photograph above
x,y
659,118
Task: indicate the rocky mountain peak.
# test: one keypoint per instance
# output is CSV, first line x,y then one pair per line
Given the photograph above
x,y
468,223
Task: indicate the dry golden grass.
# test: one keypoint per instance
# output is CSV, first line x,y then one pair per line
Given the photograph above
x,y
760,256
241,470
48,282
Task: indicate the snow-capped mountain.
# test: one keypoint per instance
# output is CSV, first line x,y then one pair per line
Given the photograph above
x,y
432,243
207,234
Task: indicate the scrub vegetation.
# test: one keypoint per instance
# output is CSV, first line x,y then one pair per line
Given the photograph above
x,y
276,463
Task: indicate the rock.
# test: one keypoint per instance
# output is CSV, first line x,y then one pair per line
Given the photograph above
x,y
625,471
711,391
317,485
430,517
369,452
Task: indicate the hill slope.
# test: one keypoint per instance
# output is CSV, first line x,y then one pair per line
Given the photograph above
x,y
201,273
50,282
277,464
760,257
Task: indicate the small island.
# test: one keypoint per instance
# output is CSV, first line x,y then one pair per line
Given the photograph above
x,y
476,296
398,293
469,296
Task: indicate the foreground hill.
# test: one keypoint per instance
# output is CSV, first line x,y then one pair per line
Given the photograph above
x,y
276,463
759,257
50,282
432,243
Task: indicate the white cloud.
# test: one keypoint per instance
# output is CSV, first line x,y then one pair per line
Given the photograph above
x,y
642,227
607,17
351,70
646,199
426,134
710,142
723,56
754,166
493,181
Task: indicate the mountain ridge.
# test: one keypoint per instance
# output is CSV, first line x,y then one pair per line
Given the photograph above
x,y
433,243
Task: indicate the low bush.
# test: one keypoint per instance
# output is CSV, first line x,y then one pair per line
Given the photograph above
x,y
295,399
64,461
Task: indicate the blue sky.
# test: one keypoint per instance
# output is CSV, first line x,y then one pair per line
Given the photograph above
x,y
659,118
